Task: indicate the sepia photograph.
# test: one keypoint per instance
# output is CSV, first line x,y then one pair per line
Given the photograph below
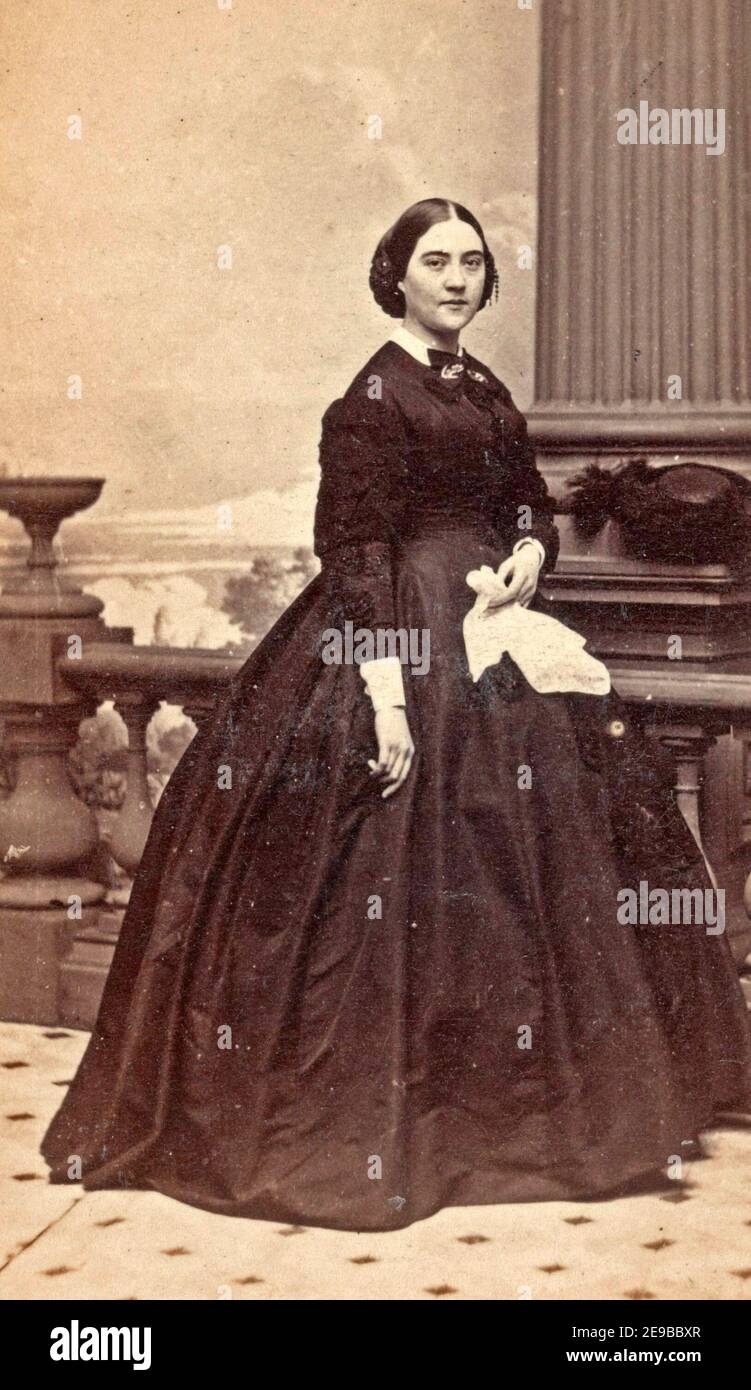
x,y
375,663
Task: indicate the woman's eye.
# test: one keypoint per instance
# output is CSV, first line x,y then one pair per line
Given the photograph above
x,y
436,264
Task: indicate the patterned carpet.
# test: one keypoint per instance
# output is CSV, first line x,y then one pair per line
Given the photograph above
x,y
694,1243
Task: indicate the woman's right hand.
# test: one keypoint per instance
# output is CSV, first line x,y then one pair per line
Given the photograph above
x,y
395,749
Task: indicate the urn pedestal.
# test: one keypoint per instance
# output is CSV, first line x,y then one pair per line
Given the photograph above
x,y
48,837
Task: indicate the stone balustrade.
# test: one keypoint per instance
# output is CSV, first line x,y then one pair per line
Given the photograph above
x,y
137,679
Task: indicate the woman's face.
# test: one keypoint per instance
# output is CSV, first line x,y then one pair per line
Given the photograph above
x,y
445,278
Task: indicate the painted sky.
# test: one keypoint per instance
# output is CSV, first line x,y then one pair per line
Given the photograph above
x,y
248,127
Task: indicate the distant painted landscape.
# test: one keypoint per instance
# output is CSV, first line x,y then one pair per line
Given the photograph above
x,y
204,577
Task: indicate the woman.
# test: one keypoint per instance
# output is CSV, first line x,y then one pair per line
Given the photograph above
x,y
372,964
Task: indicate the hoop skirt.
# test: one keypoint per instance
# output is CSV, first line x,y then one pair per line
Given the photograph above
x,y
334,1009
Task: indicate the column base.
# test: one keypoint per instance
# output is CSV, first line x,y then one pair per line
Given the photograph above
x,y
582,428
33,945
84,971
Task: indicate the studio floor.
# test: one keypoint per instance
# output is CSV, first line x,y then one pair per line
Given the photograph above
x,y
57,1242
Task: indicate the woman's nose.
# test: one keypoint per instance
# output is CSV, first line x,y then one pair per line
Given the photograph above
x,y
456,279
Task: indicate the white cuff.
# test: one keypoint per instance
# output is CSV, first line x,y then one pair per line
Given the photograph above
x,y
383,680
531,540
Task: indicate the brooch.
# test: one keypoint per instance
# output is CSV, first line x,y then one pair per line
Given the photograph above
x,y
451,371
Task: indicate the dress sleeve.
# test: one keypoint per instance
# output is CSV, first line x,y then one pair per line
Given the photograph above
x,y
524,486
361,453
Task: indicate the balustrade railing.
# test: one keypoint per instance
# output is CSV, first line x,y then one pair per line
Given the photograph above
x,y
137,679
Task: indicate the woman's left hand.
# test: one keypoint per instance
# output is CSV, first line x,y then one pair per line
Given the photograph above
x,y
519,573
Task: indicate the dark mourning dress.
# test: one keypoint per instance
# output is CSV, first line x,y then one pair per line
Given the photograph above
x,y
330,1008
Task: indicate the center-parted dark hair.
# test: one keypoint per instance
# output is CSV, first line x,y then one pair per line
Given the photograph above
x,y
394,252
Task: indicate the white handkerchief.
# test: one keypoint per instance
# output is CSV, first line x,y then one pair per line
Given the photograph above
x,y
550,655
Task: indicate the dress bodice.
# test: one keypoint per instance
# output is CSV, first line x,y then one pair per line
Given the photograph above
x,y
410,448
461,434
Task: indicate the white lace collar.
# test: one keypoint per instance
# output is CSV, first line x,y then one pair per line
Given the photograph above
x,y
414,345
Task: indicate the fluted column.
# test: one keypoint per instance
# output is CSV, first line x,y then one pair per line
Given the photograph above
x,y
643,335
643,258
